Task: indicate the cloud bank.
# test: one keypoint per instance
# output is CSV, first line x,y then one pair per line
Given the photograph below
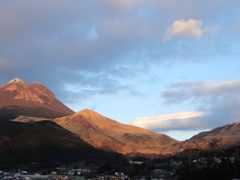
x,y
176,121
218,104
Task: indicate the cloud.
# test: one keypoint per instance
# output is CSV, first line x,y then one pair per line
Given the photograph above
x,y
219,102
61,42
216,104
190,28
182,91
70,45
176,121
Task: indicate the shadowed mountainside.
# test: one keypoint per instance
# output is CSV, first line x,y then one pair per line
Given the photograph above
x,y
45,143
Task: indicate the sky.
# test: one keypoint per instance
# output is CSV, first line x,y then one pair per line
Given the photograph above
x,y
168,66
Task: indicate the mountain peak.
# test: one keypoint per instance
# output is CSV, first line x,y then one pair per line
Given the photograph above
x,y
36,82
18,94
16,80
88,113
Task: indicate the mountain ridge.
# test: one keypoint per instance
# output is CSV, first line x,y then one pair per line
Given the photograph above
x,y
107,134
220,137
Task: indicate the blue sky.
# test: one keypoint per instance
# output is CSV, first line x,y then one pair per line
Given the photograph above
x,y
168,66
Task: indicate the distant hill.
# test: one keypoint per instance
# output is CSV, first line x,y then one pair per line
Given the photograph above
x,y
221,137
19,98
45,144
228,135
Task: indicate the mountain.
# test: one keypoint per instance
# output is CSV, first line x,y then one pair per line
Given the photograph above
x,y
106,133
34,102
220,137
44,143
228,135
19,98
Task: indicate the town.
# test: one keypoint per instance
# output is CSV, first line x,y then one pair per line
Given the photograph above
x,y
188,164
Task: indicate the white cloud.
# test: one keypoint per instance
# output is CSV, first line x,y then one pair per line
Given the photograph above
x,y
190,28
176,121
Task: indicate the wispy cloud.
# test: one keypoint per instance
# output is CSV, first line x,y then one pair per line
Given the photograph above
x,y
182,91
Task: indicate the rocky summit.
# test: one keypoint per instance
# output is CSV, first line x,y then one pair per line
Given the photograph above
x,y
19,98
